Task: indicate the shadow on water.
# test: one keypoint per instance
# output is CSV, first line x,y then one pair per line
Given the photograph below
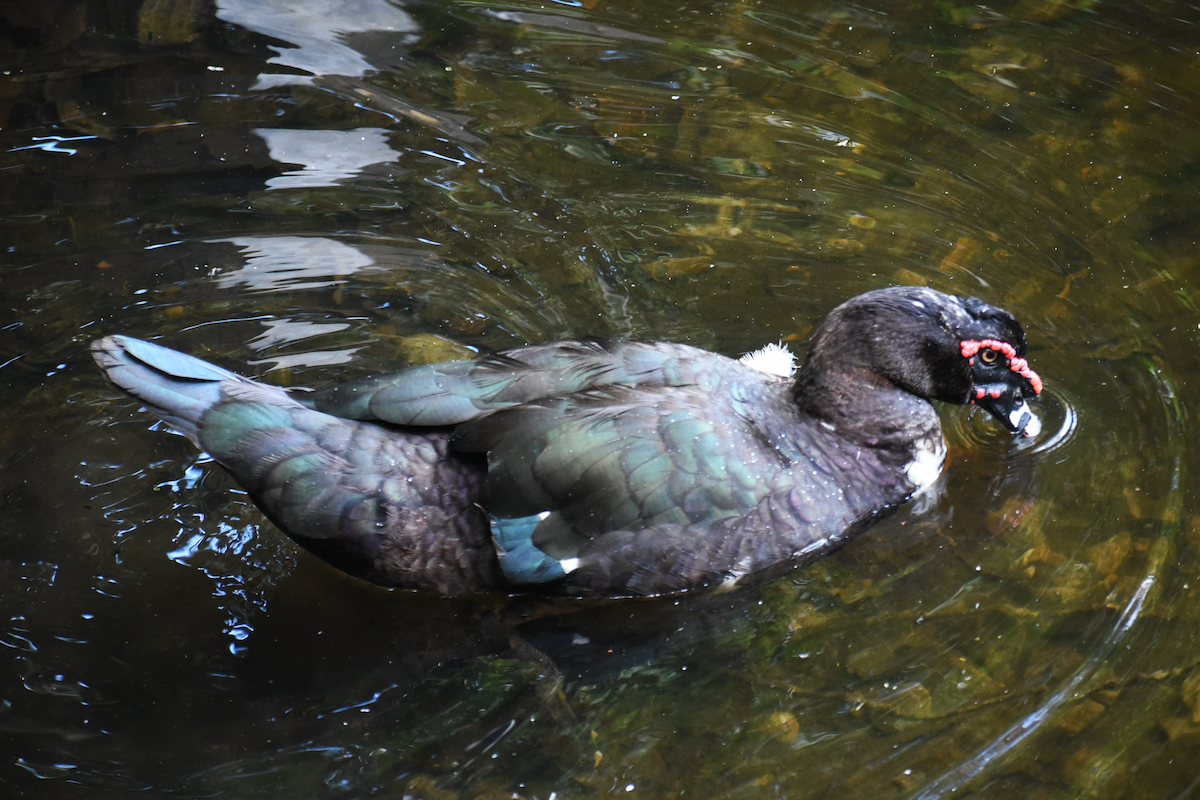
x,y
308,192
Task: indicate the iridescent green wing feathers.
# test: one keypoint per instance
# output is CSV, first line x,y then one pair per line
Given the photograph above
x,y
564,473
456,391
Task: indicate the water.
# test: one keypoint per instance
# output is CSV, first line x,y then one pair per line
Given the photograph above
x,y
309,192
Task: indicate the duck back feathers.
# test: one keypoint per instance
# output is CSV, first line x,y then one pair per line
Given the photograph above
x,y
457,391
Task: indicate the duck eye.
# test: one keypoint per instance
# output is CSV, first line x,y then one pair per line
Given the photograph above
x,y
988,355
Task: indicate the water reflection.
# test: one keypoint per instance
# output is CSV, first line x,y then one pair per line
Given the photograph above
x,y
282,263
570,24
334,48
284,331
328,157
346,37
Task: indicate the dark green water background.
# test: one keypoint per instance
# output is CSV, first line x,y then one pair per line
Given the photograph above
x,y
310,191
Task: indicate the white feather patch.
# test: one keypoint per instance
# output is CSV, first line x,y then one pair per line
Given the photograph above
x,y
739,571
926,466
773,359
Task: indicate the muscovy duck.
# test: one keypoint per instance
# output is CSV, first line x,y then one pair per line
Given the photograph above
x,y
609,468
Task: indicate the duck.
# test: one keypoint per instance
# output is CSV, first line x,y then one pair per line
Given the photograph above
x,y
603,468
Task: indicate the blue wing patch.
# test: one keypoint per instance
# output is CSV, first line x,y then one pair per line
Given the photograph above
x,y
521,560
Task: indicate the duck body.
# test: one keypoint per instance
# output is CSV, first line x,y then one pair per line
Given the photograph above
x,y
607,468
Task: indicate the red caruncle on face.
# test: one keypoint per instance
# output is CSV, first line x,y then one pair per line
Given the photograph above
x,y
1017,364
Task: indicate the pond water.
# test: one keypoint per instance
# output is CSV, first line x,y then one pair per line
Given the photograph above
x,y
310,191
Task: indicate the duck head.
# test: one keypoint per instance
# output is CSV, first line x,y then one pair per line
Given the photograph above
x,y
932,345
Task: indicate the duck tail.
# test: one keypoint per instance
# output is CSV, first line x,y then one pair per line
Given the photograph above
x,y
394,507
176,387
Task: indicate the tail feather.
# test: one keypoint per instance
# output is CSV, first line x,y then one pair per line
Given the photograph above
x,y
177,387
172,362
395,507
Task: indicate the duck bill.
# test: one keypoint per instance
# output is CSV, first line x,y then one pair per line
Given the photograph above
x,y
1006,402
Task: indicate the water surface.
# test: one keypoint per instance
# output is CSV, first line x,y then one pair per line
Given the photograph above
x,y
309,192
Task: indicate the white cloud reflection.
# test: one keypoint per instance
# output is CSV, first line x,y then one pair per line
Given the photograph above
x,y
327,156
282,263
318,30
287,331
320,358
336,45
282,332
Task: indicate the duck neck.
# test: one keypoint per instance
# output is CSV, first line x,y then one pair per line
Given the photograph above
x,y
865,407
